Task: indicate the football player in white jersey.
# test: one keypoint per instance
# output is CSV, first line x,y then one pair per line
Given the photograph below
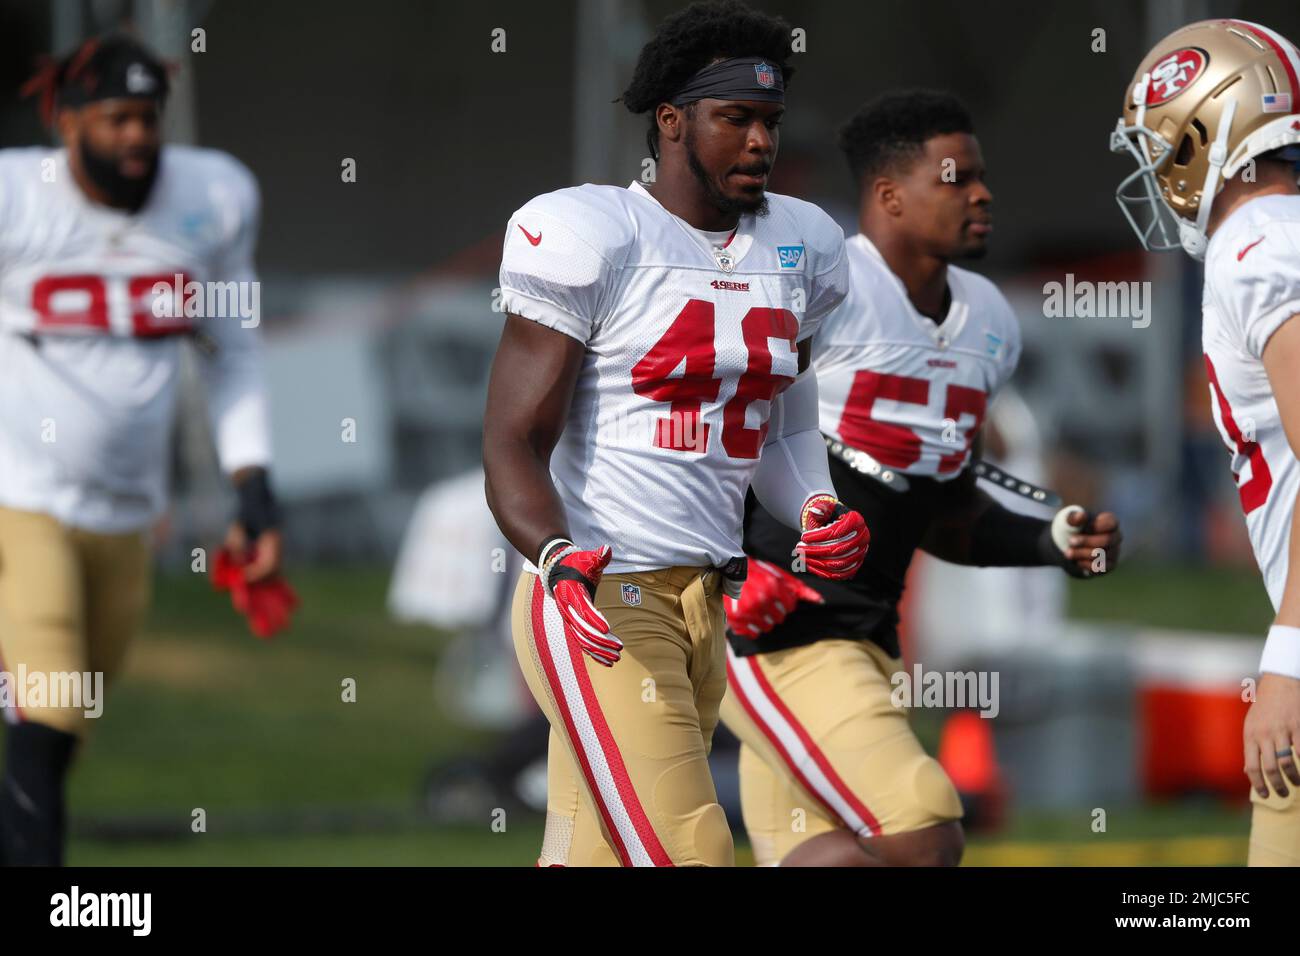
x,y
1212,118
905,369
88,394
654,363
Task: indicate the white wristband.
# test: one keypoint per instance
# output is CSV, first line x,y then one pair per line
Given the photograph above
x,y
1062,530
1281,651
551,554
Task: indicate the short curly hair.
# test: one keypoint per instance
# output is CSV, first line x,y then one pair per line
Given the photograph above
x,y
690,40
890,132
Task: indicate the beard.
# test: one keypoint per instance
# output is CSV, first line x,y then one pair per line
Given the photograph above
x,y
123,192
719,200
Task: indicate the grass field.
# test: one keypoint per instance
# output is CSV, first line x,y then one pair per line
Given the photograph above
x,y
258,737
1151,837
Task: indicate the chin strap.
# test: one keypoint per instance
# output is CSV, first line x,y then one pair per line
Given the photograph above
x,y
1193,237
1140,100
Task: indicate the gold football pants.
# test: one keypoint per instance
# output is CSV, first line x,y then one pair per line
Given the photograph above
x,y
628,779
823,747
1275,828
70,601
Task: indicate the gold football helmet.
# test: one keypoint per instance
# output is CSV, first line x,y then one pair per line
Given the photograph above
x,y
1206,100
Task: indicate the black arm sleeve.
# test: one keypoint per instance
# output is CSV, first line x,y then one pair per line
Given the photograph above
x,y
973,529
258,510
1004,538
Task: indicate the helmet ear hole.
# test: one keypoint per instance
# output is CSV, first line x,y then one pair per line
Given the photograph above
x,y
1201,132
1186,150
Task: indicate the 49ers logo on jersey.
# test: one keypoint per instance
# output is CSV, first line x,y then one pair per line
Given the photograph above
x,y
1175,73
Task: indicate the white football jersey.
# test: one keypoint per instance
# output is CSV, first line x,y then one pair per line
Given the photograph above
x,y
907,390
683,357
90,372
1252,286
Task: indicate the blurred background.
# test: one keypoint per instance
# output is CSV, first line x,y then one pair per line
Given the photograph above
x,y
1121,695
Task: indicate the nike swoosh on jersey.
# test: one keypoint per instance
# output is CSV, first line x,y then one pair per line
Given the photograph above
x,y
1241,255
529,236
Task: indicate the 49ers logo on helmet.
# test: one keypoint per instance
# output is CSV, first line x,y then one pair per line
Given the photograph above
x,y
1175,73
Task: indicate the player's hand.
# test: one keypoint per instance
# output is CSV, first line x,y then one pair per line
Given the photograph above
x,y
834,540
1078,536
249,564
571,577
254,537
267,602
769,594
262,557
1272,732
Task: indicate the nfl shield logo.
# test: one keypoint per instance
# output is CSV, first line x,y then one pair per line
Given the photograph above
x,y
765,75
632,595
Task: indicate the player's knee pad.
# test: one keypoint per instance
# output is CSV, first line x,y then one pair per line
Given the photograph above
x,y
712,838
932,790
926,830
692,824
31,794
1275,830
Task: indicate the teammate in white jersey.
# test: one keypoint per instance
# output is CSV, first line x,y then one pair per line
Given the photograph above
x,y
90,237
1212,118
905,368
654,364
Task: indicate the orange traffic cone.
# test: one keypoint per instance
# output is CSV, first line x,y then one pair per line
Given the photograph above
x,y
967,754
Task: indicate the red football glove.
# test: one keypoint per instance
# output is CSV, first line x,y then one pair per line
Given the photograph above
x,y
834,541
571,577
268,604
768,596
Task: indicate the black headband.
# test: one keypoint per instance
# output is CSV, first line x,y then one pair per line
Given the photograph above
x,y
118,75
740,78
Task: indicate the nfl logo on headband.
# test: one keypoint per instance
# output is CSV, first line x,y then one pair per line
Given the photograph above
x,y
765,75
139,81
